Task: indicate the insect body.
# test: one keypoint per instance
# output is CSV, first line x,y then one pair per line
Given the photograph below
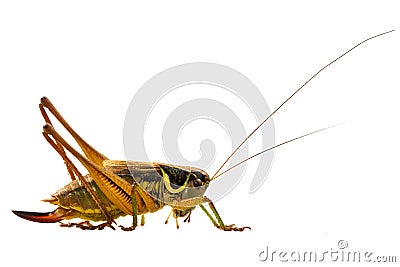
x,y
117,188
75,201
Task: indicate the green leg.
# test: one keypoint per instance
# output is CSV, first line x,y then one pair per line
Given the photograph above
x,y
142,220
208,215
134,206
220,224
214,210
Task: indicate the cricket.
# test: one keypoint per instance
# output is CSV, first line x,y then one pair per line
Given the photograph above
x,y
115,188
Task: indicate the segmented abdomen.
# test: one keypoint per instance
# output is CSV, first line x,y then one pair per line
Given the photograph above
x,y
74,196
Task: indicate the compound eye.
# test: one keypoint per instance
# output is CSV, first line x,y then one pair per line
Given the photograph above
x,y
197,182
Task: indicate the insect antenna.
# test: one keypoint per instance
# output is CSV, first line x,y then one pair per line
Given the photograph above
x,y
284,102
270,148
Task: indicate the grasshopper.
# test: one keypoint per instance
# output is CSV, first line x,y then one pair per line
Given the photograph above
x,y
114,188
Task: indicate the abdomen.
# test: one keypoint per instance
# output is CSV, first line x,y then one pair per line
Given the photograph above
x,y
74,196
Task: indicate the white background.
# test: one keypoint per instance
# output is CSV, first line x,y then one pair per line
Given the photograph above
x,y
90,57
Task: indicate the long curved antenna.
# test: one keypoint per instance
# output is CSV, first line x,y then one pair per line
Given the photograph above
x,y
295,92
268,149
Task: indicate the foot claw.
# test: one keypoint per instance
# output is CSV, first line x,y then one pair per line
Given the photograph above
x,y
232,227
127,229
86,225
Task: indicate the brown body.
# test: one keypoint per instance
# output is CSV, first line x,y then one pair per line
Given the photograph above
x,y
151,195
116,188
